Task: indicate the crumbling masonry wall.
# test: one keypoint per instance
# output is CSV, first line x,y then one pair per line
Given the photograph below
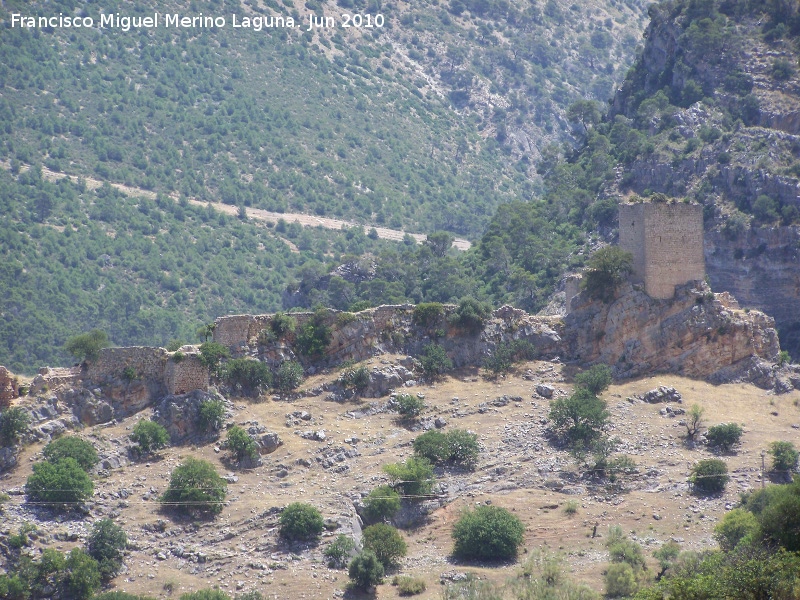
x,y
666,240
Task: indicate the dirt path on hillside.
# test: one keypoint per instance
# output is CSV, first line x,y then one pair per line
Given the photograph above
x,y
252,213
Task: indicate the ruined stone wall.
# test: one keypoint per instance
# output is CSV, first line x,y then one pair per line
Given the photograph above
x,y
666,240
232,330
631,237
148,363
572,287
8,387
185,375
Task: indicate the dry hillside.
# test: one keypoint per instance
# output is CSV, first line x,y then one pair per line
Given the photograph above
x,y
518,469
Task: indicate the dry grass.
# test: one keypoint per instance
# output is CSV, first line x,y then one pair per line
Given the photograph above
x,y
515,470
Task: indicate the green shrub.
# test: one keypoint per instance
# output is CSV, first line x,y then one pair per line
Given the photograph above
x,y
596,379
212,354
106,544
470,314
432,446
339,550
434,360
282,324
455,446
20,539
580,418
607,269
724,436
13,587
301,521
195,487
414,477
129,373
735,526
210,414
487,533
247,375
241,444
289,376
207,594
620,580
629,552
314,335
381,503
365,570
149,436
506,354
427,314
409,586
87,346
709,476
13,422
345,318
71,446
81,575
386,542
779,515
409,406
61,483
784,457
357,378
174,345
571,507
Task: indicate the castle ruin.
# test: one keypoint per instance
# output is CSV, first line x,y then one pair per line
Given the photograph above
x,y
666,240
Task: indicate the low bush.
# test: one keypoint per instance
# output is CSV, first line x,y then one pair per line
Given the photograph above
x,y
247,375
241,444
724,436
735,526
315,335
456,446
427,314
434,360
386,542
620,580
709,476
81,575
409,406
414,477
487,533
289,376
784,457
63,483
106,544
195,487
596,379
212,354
470,315
580,418
339,551
301,521
149,436
282,324
72,446
381,503
365,570
210,414
13,423
409,586
357,378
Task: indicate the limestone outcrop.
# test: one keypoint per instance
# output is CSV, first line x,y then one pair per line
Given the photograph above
x,y
697,334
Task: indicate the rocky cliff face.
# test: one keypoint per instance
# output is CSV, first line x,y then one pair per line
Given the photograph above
x,y
696,333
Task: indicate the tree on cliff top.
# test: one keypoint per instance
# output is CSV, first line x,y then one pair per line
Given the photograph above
x,y
608,268
87,346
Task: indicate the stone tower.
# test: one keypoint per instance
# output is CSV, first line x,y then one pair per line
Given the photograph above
x,y
666,240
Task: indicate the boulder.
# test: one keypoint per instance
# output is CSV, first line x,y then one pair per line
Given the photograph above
x,y
545,391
